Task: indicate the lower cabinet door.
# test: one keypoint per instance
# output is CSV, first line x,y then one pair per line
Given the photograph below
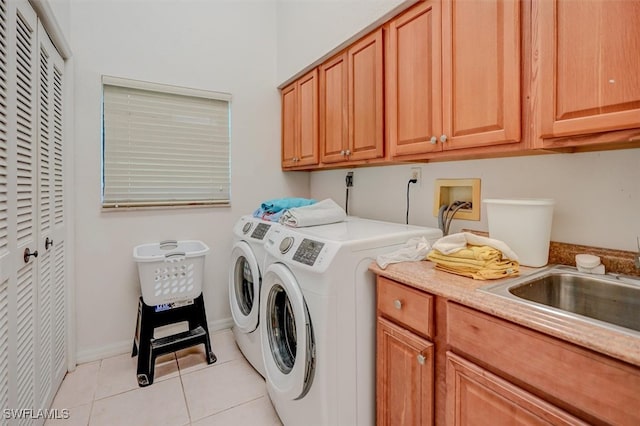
x,y
404,388
477,397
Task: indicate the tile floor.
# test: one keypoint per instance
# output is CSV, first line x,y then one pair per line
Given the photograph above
x,y
185,391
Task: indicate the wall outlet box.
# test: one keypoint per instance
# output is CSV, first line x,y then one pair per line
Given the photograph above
x,y
416,173
447,191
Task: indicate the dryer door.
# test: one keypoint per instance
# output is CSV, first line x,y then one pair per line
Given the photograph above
x,y
244,287
287,334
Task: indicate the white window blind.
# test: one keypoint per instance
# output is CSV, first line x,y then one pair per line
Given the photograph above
x,y
164,145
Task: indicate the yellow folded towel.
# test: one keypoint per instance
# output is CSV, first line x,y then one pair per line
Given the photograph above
x,y
475,255
477,262
482,274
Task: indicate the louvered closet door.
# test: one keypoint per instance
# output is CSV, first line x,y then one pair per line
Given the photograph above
x,y
22,212
51,290
5,254
32,302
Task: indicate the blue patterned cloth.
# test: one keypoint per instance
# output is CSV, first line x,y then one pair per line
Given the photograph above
x,y
278,204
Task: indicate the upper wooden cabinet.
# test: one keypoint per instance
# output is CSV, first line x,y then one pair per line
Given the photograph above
x,y
589,67
351,103
413,85
453,76
334,121
300,122
469,78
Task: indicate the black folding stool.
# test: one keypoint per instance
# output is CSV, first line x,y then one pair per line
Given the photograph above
x,y
150,317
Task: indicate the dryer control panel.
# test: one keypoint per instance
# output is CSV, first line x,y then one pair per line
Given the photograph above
x,y
296,249
260,231
308,251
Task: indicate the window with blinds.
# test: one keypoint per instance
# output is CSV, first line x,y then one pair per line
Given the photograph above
x,y
164,145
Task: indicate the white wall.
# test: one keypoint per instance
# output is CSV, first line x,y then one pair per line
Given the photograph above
x,y
597,194
62,13
227,46
309,29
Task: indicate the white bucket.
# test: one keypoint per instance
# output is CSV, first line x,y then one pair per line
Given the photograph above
x,y
524,225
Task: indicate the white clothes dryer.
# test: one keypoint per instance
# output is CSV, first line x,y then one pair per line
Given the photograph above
x,y
245,278
317,310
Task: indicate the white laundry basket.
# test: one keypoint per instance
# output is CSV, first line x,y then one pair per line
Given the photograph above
x,y
170,271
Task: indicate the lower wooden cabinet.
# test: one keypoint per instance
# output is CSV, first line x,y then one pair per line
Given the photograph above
x,y
440,362
597,388
404,376
477,397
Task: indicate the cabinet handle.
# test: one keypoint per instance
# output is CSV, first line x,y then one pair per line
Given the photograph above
x,y
48,243
421,359
434,140
397,303
443,138
347,152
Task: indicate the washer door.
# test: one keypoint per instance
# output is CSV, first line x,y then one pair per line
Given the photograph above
x,y
244,287
287,334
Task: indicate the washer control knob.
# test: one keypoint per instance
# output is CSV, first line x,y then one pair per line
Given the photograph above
x,y
285,244
246,227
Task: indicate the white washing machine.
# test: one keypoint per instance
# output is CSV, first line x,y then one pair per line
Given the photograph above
x,y
245,277
318,321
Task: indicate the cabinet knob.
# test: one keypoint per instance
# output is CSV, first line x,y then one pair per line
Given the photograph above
x,y
48,243
342,152
421,359
397,303
347,152
443,138
434,140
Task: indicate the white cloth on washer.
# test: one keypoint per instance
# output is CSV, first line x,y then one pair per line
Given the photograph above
x,y
456,242
321,213
414,249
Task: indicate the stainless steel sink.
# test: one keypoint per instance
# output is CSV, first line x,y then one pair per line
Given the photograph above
x,y
608,299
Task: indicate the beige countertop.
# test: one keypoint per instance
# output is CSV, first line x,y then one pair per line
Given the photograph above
x,y
423,276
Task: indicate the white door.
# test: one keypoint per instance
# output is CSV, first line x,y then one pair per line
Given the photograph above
x,y
22,207
51,232
7,251
287,334
32,296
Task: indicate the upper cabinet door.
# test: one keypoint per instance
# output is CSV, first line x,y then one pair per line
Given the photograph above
x,y
334,127
480,73
308,116
300,122
589,66
289,96
413,111
366,108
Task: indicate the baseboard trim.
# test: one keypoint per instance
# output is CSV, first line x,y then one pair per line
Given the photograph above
x,y
125,346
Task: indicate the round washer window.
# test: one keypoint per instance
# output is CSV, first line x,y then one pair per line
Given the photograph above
x,y
243,279
281,329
